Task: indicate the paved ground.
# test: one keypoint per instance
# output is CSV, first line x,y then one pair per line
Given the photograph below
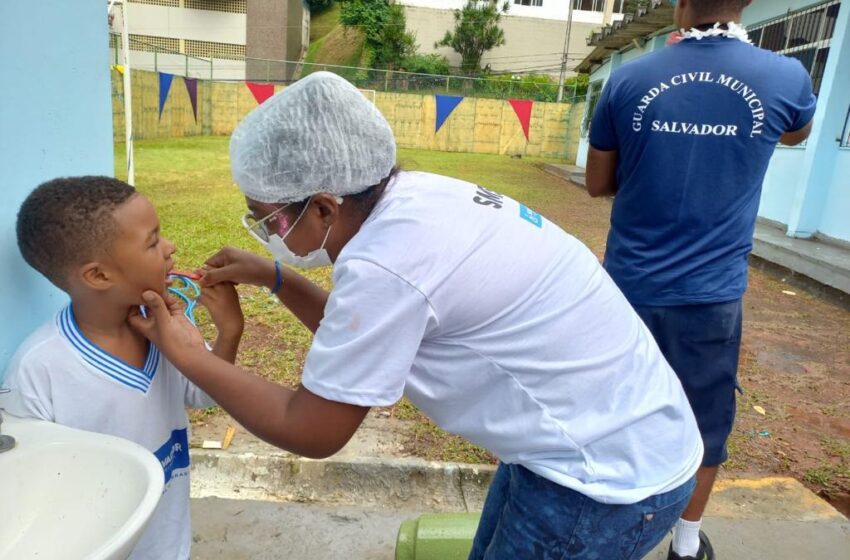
x,y
242,530
750,519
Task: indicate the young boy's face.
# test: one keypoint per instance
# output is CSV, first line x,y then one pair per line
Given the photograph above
x,y
140,257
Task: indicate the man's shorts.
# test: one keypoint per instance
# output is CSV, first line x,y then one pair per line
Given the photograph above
x,y
702,344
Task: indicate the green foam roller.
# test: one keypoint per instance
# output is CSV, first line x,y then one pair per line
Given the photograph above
x,y
440,536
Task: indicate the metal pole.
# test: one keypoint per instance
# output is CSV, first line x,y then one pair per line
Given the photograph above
x,y
128,95
565,53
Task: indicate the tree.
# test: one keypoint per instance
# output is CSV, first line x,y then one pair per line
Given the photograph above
x,y
384,27
476,32
317,6
630,6
426,64
395,43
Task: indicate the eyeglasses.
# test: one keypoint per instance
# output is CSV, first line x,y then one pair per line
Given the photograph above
x,y
258,228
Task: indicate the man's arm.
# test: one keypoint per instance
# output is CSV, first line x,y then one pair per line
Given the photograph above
x,y
796,137
602,172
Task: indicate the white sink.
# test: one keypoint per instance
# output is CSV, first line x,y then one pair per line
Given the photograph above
x,y
68,494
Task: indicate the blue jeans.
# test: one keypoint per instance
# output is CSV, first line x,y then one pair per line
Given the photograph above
x,y
529,517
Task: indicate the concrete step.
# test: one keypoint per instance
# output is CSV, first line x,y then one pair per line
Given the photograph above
x,y
826,263
572,173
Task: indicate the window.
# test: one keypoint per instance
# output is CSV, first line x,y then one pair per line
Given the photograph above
x,y
589,5
230,6
528,2
150,43
596,5
165,3
209,49
594,93
805,35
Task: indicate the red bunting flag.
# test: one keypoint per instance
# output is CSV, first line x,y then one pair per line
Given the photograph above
x,y
522,108
261,91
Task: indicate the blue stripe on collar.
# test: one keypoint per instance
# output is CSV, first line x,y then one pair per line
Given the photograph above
x,y
115,368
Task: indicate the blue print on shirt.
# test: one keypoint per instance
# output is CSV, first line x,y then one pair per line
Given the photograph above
x,y
530,216
174,453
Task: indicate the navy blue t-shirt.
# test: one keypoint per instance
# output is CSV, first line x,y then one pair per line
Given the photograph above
x,y
695,125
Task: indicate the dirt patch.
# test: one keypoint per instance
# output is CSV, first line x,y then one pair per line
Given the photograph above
x,y
795,364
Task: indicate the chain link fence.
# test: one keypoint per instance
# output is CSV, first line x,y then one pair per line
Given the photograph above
x,y
154,57
498,86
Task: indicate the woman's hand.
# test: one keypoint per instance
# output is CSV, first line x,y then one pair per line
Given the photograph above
x,y
222,301
167,327
238,267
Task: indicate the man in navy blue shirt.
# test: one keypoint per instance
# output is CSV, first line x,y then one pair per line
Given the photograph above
x,y
683,138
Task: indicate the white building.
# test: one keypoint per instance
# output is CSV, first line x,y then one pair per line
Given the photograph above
x,y
212,38
535,31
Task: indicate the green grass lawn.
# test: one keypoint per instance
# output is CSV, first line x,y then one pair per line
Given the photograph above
x,y
322,23
200,208
331,43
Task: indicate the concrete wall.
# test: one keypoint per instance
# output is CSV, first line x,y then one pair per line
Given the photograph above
x,y
54,122
182,65
184,23
835,221
274,33
784,173
551,9
531,44
476,125
484,126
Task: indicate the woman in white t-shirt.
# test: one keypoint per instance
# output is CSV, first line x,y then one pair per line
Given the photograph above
x,y
491,319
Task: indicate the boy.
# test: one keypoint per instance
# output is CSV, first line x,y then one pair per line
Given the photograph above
x,y
98,240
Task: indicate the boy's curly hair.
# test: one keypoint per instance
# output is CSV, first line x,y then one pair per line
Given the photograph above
x,y
66,222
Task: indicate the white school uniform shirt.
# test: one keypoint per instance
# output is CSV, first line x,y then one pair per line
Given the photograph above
x,y
60,376
507,331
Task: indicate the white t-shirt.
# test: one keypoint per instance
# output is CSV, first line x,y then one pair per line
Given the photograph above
x,y
60,376
507,331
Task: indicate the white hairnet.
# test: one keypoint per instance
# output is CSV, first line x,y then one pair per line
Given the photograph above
x,y
317,135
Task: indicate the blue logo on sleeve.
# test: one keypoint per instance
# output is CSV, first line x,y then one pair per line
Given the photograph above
x,y
530,216
174,453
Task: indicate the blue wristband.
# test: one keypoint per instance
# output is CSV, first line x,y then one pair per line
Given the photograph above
x,y
278,278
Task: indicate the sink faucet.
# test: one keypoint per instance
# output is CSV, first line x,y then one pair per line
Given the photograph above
x,y
6,442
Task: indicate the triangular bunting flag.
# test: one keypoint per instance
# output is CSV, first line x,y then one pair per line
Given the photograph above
x,y
118,68
522,108
164,87
192,89
261,91
445,105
